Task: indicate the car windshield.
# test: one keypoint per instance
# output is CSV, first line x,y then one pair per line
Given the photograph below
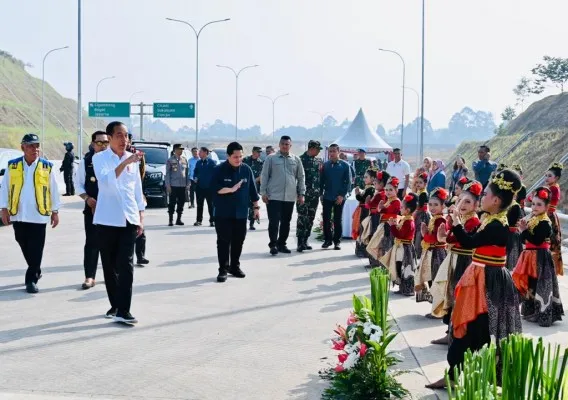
x,y
154,155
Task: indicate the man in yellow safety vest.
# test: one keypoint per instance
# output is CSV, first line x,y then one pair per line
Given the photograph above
x,y
29,199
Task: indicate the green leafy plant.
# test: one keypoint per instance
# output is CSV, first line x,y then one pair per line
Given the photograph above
x,y
364,361
530,371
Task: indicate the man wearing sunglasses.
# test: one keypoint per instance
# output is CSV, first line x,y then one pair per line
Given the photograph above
x,y
87,187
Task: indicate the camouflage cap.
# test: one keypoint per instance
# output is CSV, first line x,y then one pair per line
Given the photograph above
x,y
314,144
257,148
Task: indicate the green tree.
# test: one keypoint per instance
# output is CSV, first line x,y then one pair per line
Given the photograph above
x,y
554,69
508,114
522,91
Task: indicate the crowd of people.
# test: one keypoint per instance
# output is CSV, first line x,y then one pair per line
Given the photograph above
x,y
470,251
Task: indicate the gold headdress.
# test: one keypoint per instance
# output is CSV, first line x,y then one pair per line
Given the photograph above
x,y
557,165
501,183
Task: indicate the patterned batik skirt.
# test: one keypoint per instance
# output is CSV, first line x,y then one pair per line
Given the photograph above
x,y
427,270
381,242
419,217
514,249
444,285
536,279
400,261
360,244
486,308
556,244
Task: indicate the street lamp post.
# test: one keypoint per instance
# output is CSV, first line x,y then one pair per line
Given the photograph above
x,y
129,102
97,96
322,116
237,74
273,103
417,125
422,94
197,34
43,94
403,85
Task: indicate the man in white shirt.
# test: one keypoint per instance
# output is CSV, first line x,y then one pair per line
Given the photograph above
x,y
29,199
400,169
119,216
87,188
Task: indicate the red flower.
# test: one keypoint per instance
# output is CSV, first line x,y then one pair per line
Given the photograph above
x,y
394,181
476,189
352,319
442,194
530,198
338,345
542,194
342,357
423,176
363,350
380,176
463,179
339,368
408,198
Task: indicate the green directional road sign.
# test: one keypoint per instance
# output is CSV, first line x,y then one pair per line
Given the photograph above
x,y
103,110
174,110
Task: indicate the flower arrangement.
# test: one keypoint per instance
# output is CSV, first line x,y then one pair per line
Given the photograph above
x,y
530,370
362,371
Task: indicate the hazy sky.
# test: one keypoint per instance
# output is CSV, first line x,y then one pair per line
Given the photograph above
x,y
323,52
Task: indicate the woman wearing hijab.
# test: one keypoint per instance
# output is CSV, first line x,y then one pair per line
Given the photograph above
x,y
438,177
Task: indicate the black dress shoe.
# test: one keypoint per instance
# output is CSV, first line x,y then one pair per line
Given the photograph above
x,y
143,261
337,246
197,223
179,222
111,313
274,250
326,244
125,318
31,287
284,249
237,272
307,246
252,228
222,277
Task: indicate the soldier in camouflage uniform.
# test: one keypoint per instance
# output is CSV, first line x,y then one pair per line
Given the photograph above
x,y
255,163
307,211
361,165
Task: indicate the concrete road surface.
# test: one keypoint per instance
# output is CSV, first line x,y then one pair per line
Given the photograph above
x,y
262,337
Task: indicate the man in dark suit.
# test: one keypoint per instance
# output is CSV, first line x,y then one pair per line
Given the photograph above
x,y
202,177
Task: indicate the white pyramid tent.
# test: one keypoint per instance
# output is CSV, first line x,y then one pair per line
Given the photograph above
x,y
359,136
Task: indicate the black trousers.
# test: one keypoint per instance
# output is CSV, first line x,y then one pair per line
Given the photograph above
x,y
279,216
177,197
202,196
328,206
117,248
231,233
140,246
31,238
192,193
400,194
91,248
68,177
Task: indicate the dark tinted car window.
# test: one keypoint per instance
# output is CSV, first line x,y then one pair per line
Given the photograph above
x,y
154,155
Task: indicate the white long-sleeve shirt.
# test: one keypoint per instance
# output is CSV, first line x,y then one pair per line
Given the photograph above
x,y
119,199
80,178
27,208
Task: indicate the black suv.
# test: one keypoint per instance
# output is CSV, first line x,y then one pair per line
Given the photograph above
x,y
156,155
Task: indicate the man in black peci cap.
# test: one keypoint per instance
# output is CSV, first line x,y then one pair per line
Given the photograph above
x,y
307,212
29,200
255,163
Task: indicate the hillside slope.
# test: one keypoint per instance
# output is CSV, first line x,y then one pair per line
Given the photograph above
x,y
20,109
543,134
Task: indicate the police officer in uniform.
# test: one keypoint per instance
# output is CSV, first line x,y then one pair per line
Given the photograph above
x,y
255,163
307,211
67,168
88,188
361,166
177,182
29,200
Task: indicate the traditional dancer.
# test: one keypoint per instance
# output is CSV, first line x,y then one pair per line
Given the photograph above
x,y
551,179
421,215
400,260
371,223
486,301
362,212
383,240
433,251
514,241
458,259
534,274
